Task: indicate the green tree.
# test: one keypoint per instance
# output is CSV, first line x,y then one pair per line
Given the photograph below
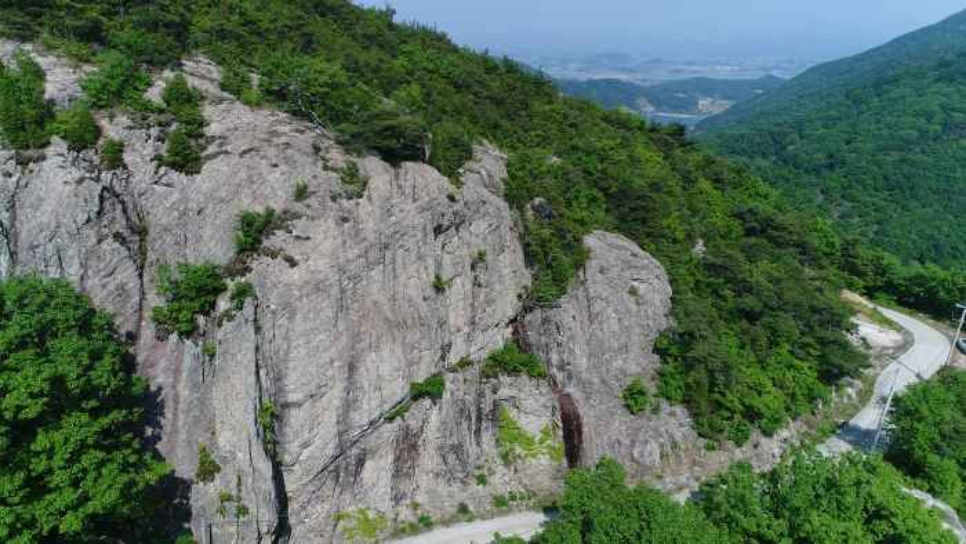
x,y
810,498
74,466
182,153
117,81
394,135
78,127
253,228
24,113
184,102
599,506
112,154
190,291
927,437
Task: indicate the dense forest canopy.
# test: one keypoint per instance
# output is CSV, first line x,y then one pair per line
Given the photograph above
x,y
807,498
874,140
759,324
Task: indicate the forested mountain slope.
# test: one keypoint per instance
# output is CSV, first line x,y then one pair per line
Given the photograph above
x,y
876,140
407,93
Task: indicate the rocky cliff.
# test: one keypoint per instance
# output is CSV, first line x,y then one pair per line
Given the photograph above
x,y
298,397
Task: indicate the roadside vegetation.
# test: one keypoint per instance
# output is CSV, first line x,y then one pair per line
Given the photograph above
x,y
928,436
807,498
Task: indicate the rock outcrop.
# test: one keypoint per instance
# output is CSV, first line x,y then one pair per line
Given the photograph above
x,y
299,396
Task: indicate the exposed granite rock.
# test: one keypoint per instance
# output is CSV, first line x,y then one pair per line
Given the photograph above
x,y
346,316
63,76
599,338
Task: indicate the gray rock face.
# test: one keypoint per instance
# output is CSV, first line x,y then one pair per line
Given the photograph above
x,y
356,300
597,340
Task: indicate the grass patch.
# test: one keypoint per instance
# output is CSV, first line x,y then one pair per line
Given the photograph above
x,y
431,388
510,360
515,444
636,397
361,525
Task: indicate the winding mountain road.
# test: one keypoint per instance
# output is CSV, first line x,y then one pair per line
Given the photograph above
x,y
921,361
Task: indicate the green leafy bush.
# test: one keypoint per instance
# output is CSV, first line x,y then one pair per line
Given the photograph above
x,y
208,468
430,388
251,98
75,465
112,154
209,350
118,81
24,113
184,103
598,506
354,182
182,153
253,228
184,144
510,360
301,192
235,78
463,510
78,127
636,397
450,145
395,136
440,284
191,291
266,422
241,292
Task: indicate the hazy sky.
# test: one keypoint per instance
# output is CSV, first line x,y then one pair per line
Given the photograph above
x,y
788,28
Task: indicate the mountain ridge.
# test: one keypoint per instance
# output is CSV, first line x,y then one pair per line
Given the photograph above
x,y
872,140
942,38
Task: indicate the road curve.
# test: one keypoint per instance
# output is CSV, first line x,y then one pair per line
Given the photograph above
x,y
920,362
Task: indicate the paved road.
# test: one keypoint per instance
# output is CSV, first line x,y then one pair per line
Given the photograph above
x,y
921,361
525,525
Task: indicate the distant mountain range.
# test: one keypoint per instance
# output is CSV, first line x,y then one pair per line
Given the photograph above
x,y
687,101
876,139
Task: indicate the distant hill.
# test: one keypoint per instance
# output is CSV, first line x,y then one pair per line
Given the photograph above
x,y
699,97
876,139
